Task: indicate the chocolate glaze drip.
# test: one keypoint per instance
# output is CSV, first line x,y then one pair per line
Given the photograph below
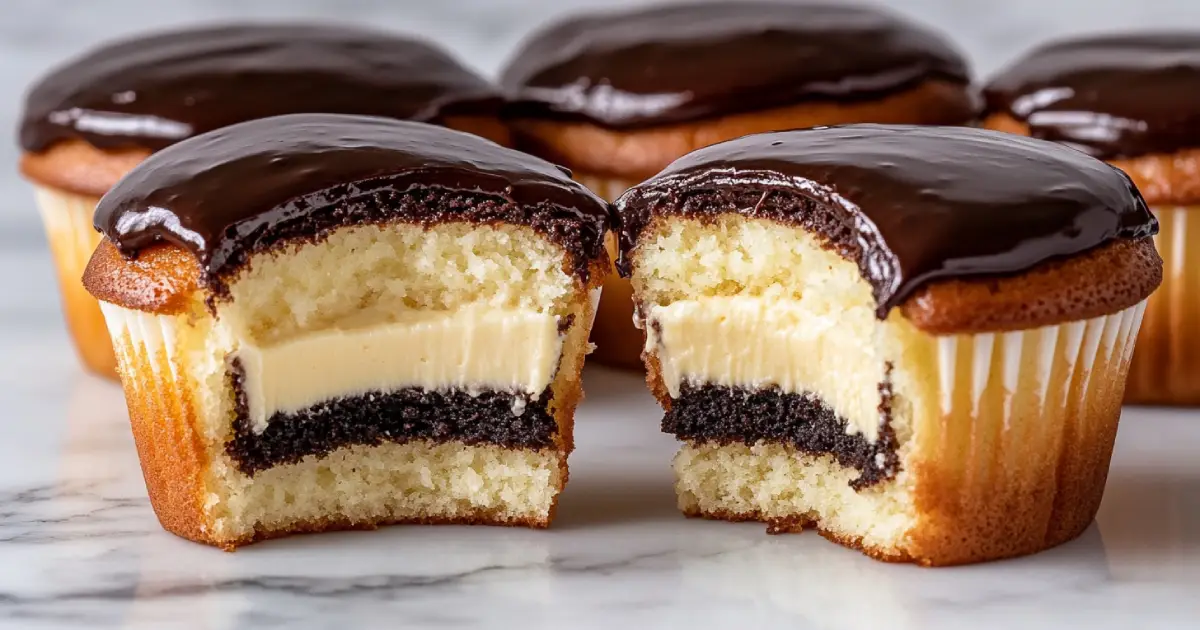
x,y
1110,96
239,190
684,62
155,90
907,204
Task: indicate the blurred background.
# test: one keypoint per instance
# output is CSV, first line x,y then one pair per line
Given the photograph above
x,y
37,34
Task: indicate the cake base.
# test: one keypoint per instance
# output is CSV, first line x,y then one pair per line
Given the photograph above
x,y
915,519
790,491
418,482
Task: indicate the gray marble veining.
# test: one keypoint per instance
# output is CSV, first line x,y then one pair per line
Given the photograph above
x,y
79,546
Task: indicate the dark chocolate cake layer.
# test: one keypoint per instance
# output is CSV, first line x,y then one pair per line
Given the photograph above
x,y
397,416
907,204
713,413
154,90
230,193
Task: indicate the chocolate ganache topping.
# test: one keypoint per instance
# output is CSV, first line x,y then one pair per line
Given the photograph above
x,y
1110,96
156,90
230,193
908,204
685,62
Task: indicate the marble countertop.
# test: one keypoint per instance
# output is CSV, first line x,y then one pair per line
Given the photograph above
x,y
79,545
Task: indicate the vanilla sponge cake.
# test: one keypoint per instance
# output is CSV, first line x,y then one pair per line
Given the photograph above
x,y
327,321
914,339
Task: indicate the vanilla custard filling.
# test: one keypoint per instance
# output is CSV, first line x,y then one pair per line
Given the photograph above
x,y
473,348
759,343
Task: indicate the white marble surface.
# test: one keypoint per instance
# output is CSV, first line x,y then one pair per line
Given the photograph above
x,y
79,546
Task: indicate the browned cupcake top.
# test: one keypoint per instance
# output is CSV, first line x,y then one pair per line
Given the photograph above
x,y
909,204
1112,96
228,194
691,61
151,91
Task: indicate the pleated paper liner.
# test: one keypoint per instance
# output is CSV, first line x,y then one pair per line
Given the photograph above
x,y
68,222
1013,444
1166,365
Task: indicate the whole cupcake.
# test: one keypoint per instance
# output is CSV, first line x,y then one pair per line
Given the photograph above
x,y
618,96
328,321
1133,100
87,123
914,339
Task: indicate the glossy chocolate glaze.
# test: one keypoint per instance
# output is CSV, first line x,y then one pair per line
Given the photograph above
x,y
684,62
1110,96
155,90
908,204
241,189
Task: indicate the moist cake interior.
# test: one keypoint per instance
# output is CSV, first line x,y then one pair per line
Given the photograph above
x,y
766,353
384,373
799,407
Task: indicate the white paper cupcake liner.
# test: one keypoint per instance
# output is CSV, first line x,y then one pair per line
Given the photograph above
x,y
143,339
1044,369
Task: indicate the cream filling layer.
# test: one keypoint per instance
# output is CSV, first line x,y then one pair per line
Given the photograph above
x,y
759,343
472,348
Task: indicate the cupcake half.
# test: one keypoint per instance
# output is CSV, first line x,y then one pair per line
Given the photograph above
x,y
1134,100
618,96
914,339
327,322
88,122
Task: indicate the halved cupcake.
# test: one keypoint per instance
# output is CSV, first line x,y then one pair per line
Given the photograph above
x,y
616,96
88,122
914,339
329,321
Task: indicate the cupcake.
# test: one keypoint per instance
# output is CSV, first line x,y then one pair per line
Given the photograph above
x,y
1133,100
618,96
329,321
88,122
913,339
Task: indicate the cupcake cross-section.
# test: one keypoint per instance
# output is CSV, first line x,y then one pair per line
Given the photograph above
x,y
328,321
914,339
